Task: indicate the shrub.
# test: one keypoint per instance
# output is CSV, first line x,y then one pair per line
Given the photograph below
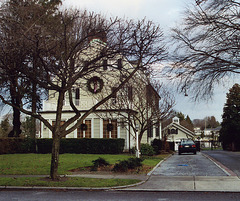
x,y
100,162
157,145
125,165
134,163
147,150
122,166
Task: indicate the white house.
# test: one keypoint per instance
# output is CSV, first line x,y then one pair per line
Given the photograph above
x,y
174,132
105,122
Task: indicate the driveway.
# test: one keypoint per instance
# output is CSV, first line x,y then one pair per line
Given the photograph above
x,y
189,172
188,165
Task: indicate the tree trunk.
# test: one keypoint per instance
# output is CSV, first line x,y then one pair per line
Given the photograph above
x,y
16,100
34,111
56,139
55,157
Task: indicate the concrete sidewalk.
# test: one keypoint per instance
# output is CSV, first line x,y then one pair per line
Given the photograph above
x,y
190,183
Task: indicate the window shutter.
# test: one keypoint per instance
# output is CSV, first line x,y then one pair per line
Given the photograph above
x,y
130,94
105,63
119,64
115,94
77,93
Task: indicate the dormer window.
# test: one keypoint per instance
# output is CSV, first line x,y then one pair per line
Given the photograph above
x,y
176,120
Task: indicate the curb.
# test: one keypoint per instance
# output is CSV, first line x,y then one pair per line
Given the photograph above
x,y
69,188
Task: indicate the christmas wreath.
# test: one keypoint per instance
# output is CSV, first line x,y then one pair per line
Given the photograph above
x,y
95,84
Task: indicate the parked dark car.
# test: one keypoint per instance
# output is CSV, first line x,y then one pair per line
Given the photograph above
x,y
187,146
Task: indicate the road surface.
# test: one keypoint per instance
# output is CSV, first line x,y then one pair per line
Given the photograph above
x,y
229,159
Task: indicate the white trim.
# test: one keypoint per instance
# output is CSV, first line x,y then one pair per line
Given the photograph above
x,y
160,130
101,128
127,136
92,128
110,132
84,130
49,131
42,129
118,131
75,133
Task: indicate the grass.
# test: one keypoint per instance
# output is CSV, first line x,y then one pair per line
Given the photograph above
x,y
39,164
154,160
209,148
70,182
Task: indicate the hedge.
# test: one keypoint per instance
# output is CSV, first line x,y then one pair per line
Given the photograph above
x,y
68,145
158,145
16,145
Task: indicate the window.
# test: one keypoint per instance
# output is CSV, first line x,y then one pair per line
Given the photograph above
x,y
105,131
77,96
54,122
113,132
85,133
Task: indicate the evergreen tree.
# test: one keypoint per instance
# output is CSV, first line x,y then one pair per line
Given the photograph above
x,y
5,126
181,116
189,121
230,131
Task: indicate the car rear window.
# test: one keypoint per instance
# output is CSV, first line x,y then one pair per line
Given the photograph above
x,y
187,142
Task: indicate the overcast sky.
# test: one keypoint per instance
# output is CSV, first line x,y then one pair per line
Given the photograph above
x,y
166,13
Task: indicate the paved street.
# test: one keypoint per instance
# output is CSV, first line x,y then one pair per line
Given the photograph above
x,y
229,159
115,196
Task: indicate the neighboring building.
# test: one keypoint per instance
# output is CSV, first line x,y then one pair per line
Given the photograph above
x,y
211,135
175,132
105,122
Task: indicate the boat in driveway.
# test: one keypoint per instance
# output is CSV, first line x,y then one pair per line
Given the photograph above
x,y
187,146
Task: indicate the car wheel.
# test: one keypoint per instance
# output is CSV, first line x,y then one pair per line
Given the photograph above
x,y
179,153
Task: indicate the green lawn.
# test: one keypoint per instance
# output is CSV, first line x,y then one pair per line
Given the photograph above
x,y
39,164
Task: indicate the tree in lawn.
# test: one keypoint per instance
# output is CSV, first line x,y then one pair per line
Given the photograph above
x,y
141,103
65,56
207,46
14,55
230,131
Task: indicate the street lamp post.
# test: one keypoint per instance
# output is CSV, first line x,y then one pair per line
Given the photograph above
x,y
137,143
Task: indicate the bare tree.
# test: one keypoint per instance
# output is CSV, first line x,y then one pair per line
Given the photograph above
x,y
207,46
66,57
15,52
140,105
